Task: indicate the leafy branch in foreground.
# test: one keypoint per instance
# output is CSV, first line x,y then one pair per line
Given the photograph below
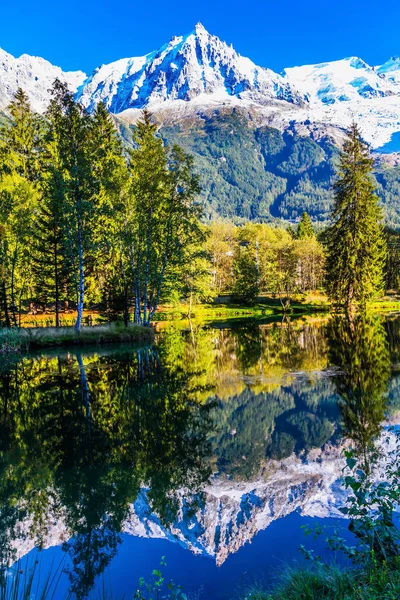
x,y
157,588
375,551
370,508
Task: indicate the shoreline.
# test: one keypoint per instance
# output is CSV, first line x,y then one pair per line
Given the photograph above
x,y
13,341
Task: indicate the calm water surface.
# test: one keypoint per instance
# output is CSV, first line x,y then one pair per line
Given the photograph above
x,y
210,448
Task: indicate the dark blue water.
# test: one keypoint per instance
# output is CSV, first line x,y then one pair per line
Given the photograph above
x,y
196,446
259,562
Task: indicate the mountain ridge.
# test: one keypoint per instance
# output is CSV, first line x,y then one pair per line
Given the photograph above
x,y
200,69
265,144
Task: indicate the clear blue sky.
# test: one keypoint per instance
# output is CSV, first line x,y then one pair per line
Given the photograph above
x,y
82,34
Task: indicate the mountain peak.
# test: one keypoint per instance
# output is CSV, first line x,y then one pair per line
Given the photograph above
x,y
35,76
199,28
197,65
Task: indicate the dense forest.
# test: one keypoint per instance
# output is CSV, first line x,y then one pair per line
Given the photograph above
x,y
80,216
252,172
88,221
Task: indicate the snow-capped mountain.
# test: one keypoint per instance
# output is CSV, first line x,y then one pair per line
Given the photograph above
x,y
199,72
391,69
33,74
187,67
347,90
232,512
347,80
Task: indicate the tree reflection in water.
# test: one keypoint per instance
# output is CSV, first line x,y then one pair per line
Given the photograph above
x,y
81,434
359,348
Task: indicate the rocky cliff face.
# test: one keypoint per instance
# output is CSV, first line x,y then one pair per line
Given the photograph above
x,y
35,76
196,66
233,512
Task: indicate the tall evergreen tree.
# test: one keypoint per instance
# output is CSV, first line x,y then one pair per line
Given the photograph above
x,y
110,172
20,142
305,228
161,216
22,135
75,183
50,265
355,241
80,191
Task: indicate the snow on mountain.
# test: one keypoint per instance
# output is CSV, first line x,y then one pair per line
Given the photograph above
x,y
198,64
347,90
232,511
198,72
347,80
35,76
391,69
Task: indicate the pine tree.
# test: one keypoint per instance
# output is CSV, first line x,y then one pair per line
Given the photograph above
x,y
355,242
20,149
305,228
110,173
22,136
76,183
50,265
161,216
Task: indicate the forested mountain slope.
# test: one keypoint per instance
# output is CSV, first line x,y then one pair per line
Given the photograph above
x,y
253,171
264,143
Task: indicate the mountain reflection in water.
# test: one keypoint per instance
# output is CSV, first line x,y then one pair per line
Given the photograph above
x,y
205,438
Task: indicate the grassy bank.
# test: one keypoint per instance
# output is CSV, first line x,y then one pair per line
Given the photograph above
x,y
223,309
268,307
333,583
17,340
310,304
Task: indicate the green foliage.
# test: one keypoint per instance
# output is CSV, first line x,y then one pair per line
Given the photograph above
x,y
256,173
355,242
157,588
371,507
305,228
392,270
19,152
258,258
246,272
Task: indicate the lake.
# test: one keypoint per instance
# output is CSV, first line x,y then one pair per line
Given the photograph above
x,y
211,448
